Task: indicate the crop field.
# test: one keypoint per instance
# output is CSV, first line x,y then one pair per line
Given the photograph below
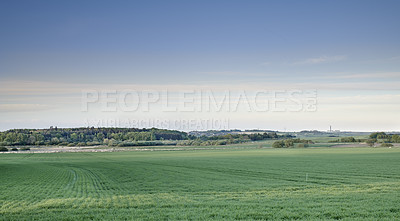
x,y
247,184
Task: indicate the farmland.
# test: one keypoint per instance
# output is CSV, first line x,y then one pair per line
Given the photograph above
x,y
247,184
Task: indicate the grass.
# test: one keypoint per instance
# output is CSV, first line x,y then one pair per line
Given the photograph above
x,y
246,184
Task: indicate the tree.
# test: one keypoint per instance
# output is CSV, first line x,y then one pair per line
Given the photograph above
x,y
11,137
74,137
40,138
55,141
371,142
289,143
32,139
378,135
112,143
347,139
395,138
100,136
278,144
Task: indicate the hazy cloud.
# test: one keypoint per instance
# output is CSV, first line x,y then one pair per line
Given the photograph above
x,y
23,107
322,59
385,75
397,58
265,63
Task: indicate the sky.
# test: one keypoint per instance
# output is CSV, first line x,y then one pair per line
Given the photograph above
x,y
54,54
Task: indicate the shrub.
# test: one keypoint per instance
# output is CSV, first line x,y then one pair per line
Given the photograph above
x,y
4,143
289,143
94,143
14,149
371,142
347,140
38,143
278,144
387,145
25,148
128,144
3,149
112,143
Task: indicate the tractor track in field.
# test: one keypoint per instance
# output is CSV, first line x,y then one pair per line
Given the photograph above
x,y
71,184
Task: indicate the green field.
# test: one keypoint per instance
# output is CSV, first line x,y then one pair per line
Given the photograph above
x,y
255,184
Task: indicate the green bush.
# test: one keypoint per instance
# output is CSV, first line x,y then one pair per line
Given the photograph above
x,y
94,143
386,145
38,143
3,149
4,143
14,149
348,140
112,143
63,144
291,143
278,144
371,142
25,148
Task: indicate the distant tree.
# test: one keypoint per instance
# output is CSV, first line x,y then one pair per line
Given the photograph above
x,y
74,137
378,135
31,139
371,142
40,138
278,144
112,143
395,138
100,136
347,139
55,141
11,137
289,143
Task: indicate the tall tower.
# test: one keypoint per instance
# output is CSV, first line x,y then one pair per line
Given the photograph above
x,y
330,128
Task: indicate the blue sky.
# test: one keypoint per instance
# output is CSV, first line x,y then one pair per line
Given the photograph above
x,y
347,50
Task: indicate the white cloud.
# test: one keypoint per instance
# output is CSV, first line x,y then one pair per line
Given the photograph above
x,y
383,75
321,59
397,58
62,92
223,73
370,100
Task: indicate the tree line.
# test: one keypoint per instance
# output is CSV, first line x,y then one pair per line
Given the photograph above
x,y
90,136
288,143
85,136
388,138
